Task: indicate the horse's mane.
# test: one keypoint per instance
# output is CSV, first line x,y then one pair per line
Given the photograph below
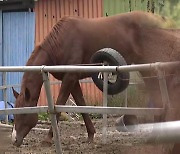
x,y
33,55
54,40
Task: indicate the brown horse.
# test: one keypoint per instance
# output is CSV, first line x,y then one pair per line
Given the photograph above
x,y
139,37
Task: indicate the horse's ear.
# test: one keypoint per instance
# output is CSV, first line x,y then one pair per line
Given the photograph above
x,y
16,94
27,94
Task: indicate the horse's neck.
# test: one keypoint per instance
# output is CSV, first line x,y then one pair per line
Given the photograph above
x,y
33,80
39,57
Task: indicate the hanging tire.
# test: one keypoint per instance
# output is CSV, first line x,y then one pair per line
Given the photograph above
x,y
117,82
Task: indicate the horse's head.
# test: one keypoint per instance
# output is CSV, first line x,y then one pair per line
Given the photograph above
x,y
23,123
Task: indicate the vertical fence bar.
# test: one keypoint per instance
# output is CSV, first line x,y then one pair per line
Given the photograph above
x,y
5,94
105,90
163,88
164,92
166,106
126,97
52,113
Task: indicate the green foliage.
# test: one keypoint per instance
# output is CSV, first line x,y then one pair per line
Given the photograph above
x,y
117,100
170,9
136,97
95,116
43,116
135,94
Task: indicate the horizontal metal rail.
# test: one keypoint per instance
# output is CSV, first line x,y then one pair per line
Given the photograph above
x,y
79,68
35,129
59,82
52,83
165,132
85,109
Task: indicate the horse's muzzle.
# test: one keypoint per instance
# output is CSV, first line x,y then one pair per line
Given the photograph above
x,y
18,143
15,140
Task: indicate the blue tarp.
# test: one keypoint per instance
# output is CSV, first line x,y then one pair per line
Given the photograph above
x,y
2,106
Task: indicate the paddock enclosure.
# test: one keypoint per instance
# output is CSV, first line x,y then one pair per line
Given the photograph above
x,y
134,111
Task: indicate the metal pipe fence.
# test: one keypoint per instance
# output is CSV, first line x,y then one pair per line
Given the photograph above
x,y
5,95
81,68
85,109
5,87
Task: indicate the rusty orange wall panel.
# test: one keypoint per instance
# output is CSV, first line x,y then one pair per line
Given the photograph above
x,y
48,12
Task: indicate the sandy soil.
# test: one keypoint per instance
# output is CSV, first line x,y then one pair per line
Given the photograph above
x,y
73,138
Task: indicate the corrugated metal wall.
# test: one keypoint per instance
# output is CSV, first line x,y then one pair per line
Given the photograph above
x,y
50,11
47,14
18,43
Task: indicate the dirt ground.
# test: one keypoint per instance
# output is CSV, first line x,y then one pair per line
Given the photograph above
x,y
73,138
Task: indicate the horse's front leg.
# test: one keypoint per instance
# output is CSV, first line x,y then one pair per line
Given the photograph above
x,y
67,85
79,99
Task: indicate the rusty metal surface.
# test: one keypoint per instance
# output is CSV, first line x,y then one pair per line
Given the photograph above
x,y
48,12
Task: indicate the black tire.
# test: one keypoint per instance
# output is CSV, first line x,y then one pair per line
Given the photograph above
x,y
113,58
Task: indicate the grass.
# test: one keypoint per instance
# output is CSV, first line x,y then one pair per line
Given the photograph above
x,y
43,116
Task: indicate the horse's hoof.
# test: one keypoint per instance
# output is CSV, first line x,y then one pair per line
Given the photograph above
x,y
90,139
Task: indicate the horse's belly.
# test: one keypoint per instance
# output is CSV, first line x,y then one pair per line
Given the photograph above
x,y
59,76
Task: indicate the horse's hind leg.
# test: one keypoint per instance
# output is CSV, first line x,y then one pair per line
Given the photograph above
x,y
78,97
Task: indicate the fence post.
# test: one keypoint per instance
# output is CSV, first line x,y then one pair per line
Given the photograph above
x,y
126,97
5,95
163,89
105,91
52,113
166,105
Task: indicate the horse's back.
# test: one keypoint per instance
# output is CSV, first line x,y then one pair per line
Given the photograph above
x,y
75,39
